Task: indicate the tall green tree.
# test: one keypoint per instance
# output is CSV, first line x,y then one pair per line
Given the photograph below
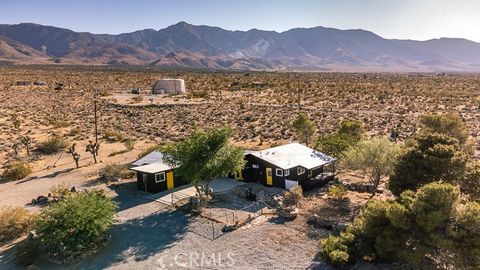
x,y
305,128
375,158
204,156
430,157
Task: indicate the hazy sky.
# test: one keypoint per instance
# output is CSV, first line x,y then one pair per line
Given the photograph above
x,y
413,19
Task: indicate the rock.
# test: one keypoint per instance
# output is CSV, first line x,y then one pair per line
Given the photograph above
x,y
228,228
288,213
42,200
341,226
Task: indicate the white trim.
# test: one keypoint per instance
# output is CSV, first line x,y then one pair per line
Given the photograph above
x,y
287,172
278,172
161,180
255,166
300,170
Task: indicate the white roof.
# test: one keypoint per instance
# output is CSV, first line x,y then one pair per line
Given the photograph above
x,y
293,154
152,168
153,157
151,163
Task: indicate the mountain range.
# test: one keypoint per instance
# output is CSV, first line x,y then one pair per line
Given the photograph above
x,y
190,46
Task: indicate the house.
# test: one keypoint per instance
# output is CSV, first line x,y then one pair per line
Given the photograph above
x,y
169,86
154,174
287,166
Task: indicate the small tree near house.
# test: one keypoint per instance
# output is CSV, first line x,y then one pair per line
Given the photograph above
x,y
375,158
305,128
204,156
92,148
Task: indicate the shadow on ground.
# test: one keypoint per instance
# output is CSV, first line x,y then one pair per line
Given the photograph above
x,y
140,239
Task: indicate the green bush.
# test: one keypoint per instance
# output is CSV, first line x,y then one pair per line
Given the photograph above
x,y
16,171
429,158
349,134
54,144
337,192
14,222
76,225
429,223
470,183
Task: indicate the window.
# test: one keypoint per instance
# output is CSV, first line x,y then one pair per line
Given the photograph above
x,y
279,172
287,172
159,177
255,166
300,170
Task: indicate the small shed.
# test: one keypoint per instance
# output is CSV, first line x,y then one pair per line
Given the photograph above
x,y
169,86
154,175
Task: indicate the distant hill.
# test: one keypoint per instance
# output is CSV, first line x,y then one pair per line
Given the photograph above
x,y
191,46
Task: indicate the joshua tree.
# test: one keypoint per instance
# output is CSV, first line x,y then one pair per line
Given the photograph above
x,y
92,148
16,122
15,148
75,155
26,140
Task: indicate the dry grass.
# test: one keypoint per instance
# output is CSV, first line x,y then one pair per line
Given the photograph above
x,y
14,223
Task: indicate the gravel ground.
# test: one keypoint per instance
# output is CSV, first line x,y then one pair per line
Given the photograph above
x,y
148,235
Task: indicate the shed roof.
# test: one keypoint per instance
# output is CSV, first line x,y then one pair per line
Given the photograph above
x,y
152,168
153,157
293,154
151,163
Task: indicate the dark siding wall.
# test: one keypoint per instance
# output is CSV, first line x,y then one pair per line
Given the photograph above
x,y
251,174
157,187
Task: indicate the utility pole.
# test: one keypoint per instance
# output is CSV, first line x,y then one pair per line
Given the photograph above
x,y
95,97
298,92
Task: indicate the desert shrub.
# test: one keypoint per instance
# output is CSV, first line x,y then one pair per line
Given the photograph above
x,y
430,157
334,144
305,128
16,171
337,192
137,99
470,182
14,222
115,171
451,125
197,94
113,135
349,134
129,144
431,222
293,196
58,123
354,128
76,225
53,145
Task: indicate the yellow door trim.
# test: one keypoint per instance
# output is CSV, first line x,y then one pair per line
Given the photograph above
x,y
170,183
239,175
269,176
